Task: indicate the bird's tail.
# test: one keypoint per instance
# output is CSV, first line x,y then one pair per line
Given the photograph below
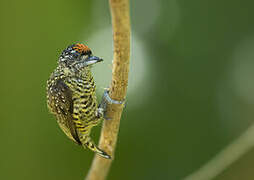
x,y
91,145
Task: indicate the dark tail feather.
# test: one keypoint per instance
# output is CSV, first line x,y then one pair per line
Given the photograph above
x,y
90,145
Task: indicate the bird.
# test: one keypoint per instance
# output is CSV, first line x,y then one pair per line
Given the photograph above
x,y
71,96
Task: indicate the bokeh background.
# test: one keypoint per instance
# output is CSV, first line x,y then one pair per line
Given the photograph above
x,y
191,88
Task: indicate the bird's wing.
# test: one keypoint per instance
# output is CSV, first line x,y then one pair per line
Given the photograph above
x,y
61,104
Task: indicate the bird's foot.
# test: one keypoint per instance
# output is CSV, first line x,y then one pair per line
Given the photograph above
x,y
106,99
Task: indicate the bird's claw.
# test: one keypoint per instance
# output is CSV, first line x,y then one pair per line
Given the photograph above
x,y
106,99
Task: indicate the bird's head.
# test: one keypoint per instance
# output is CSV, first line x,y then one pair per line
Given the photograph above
x,y
77,56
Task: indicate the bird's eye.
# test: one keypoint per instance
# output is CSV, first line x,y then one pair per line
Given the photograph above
x,y
75,54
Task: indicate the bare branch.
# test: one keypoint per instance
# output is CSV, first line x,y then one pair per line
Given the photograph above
x,y
121,36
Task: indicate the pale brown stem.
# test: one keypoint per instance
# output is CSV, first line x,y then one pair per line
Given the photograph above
x,y
121,36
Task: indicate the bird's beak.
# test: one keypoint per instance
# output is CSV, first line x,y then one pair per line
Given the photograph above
x,y
92,60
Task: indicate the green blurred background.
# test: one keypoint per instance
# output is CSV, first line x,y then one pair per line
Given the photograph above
x,y
191,89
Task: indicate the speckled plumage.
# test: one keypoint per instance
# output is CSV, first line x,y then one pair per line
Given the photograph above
x,y
71,96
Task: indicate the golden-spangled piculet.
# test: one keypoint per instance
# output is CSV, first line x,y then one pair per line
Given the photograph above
x,y
71,96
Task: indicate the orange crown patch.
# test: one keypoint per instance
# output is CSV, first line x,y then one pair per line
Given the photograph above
x,y
81,48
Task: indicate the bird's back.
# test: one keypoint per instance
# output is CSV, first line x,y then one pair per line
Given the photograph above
x,y
72,99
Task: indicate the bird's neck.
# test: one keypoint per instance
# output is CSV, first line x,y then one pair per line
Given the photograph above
x,y
63,72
